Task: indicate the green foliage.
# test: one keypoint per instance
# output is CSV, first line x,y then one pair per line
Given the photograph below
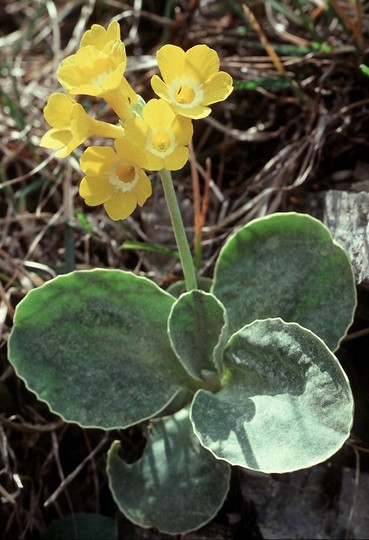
x,y
242,375
364,69
280,377
145,246
93,345
270,83
200,352
175,474
288,266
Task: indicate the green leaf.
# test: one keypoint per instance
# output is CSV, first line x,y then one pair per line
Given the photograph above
x,y
288,266
82,526
197,329
364,69
145,246
94,346
177,486
271,83
286,403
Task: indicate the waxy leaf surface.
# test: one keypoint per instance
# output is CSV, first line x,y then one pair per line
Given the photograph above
x,y
177,486
197,329
288,266
94,346
286,403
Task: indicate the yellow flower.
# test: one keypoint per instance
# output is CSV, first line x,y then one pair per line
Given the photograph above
x,y
99,73
124,100
191,80
99,37
92,71
162,134
115,178
71,125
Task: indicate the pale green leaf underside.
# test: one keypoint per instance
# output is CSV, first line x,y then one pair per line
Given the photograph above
x,y
177,486
288,266
94,346
286,405
197,328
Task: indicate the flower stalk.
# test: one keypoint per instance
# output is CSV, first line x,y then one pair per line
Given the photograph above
x,y
179,230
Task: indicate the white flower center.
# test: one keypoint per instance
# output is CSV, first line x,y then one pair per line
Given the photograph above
x,y
161,143
186,92
99,80
124,176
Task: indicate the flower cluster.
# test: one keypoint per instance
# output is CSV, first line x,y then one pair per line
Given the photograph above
x,y
148,136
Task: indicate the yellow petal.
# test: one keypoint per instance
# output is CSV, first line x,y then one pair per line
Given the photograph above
x,y
80,123
62,139
121,205
158,113
116,52
195,113
136,130
131,152
143,190
183,129
83,126
177,159
99,37
100,86
122,99
97,159
64,152
113,30
201,62
58,110
68,75
88,90
127,92
68,60
96,189
217,88
153,162
56,138
159,87
91,71
171,62
95,36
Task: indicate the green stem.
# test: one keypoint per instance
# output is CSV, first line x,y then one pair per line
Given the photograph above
x,y
179,231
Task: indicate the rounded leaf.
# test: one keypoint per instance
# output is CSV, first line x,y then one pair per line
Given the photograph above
x,y
286,403
94,346
177,486
288,266
197,328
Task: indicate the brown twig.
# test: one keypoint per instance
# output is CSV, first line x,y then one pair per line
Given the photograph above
x,y
264,40
67,480
273,55
196,206
206,195
354,28
200,204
